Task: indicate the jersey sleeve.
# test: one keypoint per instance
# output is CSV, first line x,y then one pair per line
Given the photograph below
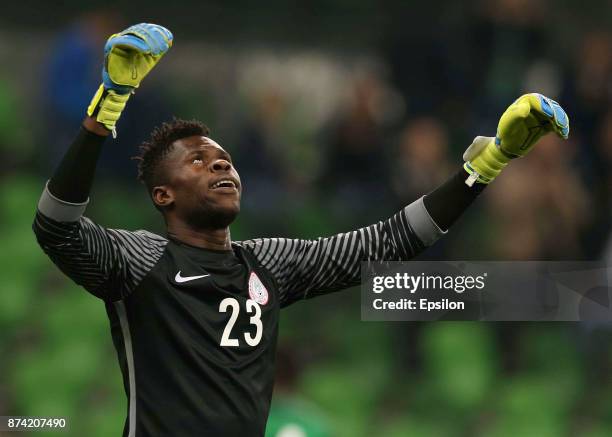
x,y
308,268
109,263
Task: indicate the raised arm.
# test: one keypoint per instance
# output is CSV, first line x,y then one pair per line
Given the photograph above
x,y
107,262
307,268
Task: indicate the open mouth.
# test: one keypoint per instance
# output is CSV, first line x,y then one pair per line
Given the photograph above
x,y
224,185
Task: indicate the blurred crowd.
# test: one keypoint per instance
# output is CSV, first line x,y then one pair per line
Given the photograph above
x,y
338,132
326,140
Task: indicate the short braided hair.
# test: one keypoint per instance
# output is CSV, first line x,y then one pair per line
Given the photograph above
x,y
156,148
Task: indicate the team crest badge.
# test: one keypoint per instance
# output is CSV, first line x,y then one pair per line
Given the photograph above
x,y
257,291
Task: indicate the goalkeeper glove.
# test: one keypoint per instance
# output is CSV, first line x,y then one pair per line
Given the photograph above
x,y
529,118
128,57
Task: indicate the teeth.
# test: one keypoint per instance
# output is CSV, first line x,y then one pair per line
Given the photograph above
x,y
224,181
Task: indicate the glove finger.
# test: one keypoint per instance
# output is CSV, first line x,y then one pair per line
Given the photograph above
x,y
141,31
160,39
130,42
559,120
152,38
156,38
135,30
520,109
169,36
513,118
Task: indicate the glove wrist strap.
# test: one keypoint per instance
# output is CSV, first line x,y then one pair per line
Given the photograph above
x,y
106,106
486,166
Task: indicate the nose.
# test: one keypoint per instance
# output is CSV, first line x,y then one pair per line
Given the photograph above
x,y
220,165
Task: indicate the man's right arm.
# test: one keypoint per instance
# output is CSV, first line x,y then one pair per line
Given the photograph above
x,y
73,178
107,262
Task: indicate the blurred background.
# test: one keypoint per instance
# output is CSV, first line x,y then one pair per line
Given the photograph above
x,y
337,114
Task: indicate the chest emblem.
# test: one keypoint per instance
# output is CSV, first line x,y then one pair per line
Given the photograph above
x,y
257,291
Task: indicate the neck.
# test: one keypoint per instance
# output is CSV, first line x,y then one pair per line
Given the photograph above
x,y
216,239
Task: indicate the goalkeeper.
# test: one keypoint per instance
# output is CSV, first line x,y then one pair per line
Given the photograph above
x,y
194,315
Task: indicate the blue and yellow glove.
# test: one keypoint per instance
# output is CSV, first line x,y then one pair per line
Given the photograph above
x,y
128,57
529,118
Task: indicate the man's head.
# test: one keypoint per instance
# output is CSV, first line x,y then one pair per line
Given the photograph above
x,y
189,176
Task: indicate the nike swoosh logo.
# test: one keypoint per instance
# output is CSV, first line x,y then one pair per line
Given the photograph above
x,y
178,278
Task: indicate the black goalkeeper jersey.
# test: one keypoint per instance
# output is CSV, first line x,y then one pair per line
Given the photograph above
x,y
195,329
203,328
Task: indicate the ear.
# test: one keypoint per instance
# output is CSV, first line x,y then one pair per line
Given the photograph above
x,y
163,196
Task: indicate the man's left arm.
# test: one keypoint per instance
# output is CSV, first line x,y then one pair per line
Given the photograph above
x,y
307,268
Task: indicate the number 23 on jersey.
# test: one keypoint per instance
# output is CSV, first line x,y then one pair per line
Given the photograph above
x,y
252,307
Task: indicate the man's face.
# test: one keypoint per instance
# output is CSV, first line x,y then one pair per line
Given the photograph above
x,y
203,184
